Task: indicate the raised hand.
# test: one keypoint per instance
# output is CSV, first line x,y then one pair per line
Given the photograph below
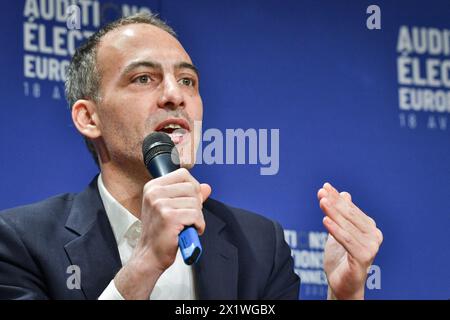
x,y
352,245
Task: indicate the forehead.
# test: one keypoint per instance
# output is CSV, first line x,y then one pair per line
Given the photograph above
x,y
136,42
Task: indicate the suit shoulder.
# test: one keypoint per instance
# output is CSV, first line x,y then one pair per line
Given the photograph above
x,y
39,213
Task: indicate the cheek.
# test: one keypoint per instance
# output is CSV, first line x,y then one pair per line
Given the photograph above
x,y
196,112
112,120
119,125
197,116
123,110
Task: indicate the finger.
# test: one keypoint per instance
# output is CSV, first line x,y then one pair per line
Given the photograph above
x,y
351,245
190,217
347,196
332,212
379,236
181,203
179,175
327,186
370,241
182,189
205,190
342,201
321,193
333,192
355,215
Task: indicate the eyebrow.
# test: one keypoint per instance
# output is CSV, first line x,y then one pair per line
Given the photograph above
x,y
137,64
156,65
187,65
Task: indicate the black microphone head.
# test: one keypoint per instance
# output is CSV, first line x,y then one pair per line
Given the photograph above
x,y
157,143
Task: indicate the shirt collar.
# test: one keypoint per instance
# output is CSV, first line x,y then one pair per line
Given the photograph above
x,y
122,221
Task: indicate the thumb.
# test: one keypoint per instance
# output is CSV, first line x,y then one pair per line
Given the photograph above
x,y
205,190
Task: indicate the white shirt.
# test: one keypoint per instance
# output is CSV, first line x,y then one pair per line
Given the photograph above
x,y
176,283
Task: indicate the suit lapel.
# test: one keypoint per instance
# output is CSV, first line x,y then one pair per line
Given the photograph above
x,y
217,270
94,250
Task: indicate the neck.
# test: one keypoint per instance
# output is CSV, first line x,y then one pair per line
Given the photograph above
x,y
125,187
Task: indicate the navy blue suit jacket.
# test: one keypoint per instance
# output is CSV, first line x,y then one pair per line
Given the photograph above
x,y
245,255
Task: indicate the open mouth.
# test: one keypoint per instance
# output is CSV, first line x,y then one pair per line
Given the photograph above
x,y
176,128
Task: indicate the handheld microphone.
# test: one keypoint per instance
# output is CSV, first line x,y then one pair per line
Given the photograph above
x,y
160,158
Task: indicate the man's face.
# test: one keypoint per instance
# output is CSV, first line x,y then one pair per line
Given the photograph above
x,y
148,83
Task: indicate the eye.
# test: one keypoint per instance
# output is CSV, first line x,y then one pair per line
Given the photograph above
x,y
143,79
187,82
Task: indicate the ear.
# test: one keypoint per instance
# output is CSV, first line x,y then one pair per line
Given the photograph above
x,y
85,118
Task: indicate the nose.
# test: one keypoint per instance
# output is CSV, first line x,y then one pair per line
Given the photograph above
x,y
171,95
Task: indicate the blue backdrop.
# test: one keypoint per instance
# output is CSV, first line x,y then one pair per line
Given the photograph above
x,y
334,88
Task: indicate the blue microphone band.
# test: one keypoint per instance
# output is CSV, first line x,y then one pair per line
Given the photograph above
x,y
190,246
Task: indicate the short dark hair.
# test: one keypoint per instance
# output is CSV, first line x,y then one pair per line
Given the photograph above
x,y
83,77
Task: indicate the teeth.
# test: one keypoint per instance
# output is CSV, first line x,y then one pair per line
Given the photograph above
x,y
172,126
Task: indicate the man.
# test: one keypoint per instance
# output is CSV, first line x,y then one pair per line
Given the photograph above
x,y
120,236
